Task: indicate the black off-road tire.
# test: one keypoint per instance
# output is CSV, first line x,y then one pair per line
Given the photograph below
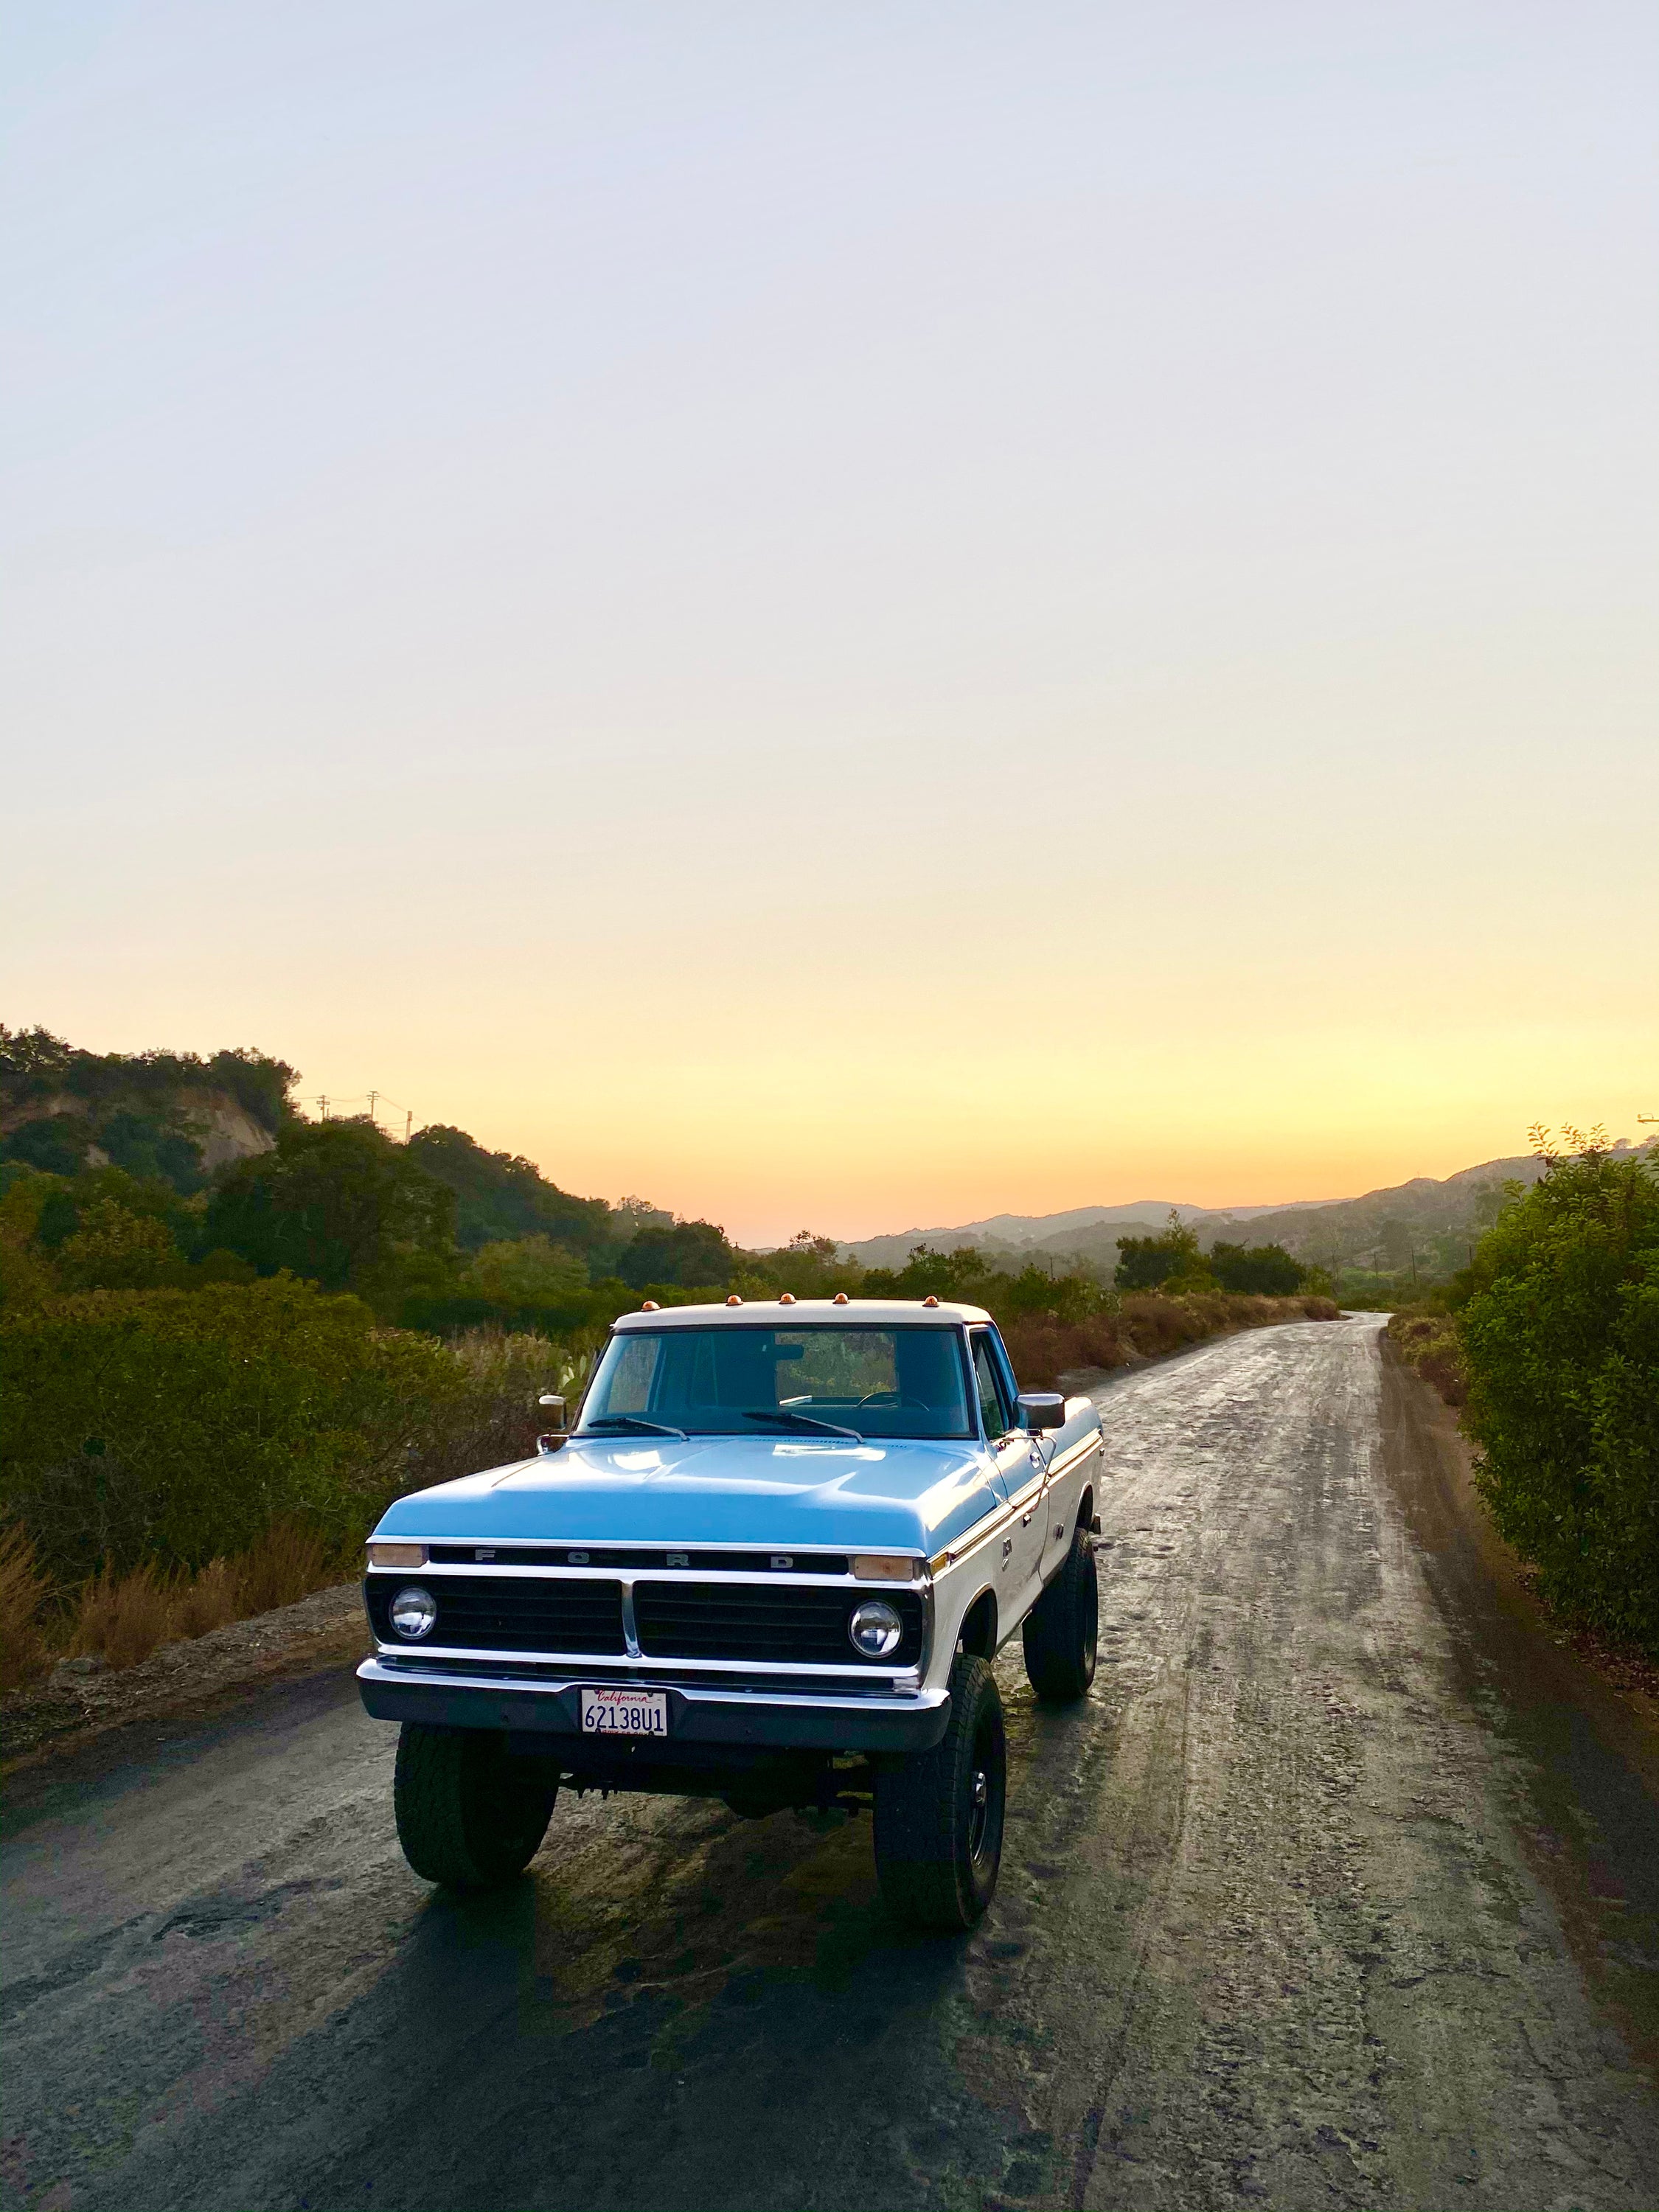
x,y
1062,1628
468,1815
939,1813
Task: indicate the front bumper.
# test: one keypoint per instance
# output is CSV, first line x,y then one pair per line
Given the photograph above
x,y
743,1719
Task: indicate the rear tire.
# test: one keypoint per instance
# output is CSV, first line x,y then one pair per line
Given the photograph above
x,y
1062,1628
469,1817
939,1813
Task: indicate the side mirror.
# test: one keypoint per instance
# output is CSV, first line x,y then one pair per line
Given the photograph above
x,y
1042,1409
552,1439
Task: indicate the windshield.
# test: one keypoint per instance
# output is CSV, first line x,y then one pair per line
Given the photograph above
x,y
737,1381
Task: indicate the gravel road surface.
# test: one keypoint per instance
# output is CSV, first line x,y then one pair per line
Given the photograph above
x,y
1343,1889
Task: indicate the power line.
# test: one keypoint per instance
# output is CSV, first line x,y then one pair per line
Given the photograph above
x,y
324,1100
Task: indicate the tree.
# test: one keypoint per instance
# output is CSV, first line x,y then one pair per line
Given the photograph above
x,y
1267,1270
962,1275
502,1196
334,1201
1145,1263
807,1266
689,1252
532,1272
54,1145
1561,1340
1062,1298
115,1249
1397,1241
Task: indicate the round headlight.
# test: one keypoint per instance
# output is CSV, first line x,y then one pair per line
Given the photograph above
x,y
413,1611
875,1629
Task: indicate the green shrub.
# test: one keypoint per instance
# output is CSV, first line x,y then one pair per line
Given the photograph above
x,y
178,1425
1561,1342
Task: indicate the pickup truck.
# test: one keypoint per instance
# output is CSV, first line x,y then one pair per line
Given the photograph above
x,y
771,1563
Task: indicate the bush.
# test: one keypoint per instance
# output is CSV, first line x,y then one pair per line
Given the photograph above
x,y
1561,1340
178,1426
1428,1340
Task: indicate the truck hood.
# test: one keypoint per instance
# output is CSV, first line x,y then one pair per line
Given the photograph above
x,y
793,1492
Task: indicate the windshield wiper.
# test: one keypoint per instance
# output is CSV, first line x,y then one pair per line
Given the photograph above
x,y
781,1417
640,1427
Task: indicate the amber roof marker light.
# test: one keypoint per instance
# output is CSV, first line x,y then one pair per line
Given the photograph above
x,y
785,1298
839,1299
651,1306
930,1300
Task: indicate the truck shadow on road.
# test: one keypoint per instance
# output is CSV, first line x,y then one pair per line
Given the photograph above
x,y
674,2007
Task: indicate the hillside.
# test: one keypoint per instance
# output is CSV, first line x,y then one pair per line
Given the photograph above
x,y
1382,1228
171,1116
1084,1230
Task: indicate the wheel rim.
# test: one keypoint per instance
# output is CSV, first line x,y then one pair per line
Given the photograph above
x,y
979,1811
984,1824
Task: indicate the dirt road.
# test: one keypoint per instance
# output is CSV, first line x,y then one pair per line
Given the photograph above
x,y
1342,1890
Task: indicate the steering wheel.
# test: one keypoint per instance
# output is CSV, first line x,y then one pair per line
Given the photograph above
x,y
893,1398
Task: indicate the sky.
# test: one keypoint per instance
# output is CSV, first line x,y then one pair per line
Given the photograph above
x,y
845,615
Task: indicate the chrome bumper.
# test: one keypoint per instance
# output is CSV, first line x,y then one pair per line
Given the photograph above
x,y
725,1714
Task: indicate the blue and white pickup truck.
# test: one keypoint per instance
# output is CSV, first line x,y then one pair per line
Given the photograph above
x,y
771,1563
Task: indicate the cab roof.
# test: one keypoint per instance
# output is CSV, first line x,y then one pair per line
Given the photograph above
x,y
806,1313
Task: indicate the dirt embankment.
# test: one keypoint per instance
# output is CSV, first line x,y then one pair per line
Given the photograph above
x,y
81,1698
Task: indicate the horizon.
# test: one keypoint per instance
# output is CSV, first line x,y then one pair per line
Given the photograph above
x,y
369,1104
846,619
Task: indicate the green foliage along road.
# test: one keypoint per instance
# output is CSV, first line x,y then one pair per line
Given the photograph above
x,y
191,1355
1560,1344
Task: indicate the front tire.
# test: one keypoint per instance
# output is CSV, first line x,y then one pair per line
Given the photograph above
x,y
939,1813
469,1817
1062,1628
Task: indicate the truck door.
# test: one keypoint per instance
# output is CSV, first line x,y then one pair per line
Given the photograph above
x,y
1058,1511
1021,1469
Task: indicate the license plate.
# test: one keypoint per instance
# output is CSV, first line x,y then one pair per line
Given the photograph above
x,y
625,1712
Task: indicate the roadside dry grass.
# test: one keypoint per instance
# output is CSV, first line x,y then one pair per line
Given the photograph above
x,y
24,1650
1146,1326
121,1619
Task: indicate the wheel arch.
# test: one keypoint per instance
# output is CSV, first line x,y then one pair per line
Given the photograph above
x,y
978,1632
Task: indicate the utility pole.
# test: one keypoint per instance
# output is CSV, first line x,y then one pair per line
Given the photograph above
x,y
372,1096
322,1105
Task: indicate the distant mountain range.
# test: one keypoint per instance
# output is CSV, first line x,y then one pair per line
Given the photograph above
x,y
1352,1230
